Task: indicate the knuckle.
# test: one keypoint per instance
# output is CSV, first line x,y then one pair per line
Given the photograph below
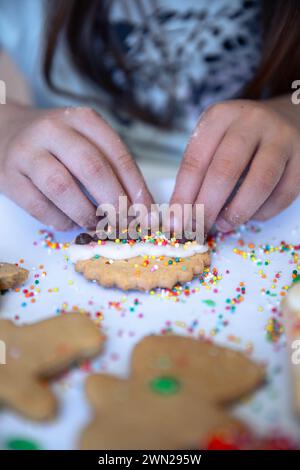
x,y
18,149
86,113
256,113
125,161
190,164
44,125
92,167
238,140
215,109
57,184
225,168
33,160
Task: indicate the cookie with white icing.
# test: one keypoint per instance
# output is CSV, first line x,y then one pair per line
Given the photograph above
x,y
143,264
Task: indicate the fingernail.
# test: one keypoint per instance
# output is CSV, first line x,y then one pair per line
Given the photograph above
x,y
223,226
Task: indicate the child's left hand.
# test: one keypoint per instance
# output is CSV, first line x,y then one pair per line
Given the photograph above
x,y
232,138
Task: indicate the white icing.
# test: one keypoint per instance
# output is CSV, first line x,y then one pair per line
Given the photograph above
x,y
112,250
294,298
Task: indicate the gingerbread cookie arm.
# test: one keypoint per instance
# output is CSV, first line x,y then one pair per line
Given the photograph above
x,y
103,390
40,351
61,341
11,276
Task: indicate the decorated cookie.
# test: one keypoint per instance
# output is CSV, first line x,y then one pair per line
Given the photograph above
x,y
174,399
11,276
142,264
33,354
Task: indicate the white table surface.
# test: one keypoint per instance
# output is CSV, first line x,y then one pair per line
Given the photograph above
x,y
206,311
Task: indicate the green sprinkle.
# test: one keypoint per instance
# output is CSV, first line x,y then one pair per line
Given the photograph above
x,y
209,303
165,385
21,444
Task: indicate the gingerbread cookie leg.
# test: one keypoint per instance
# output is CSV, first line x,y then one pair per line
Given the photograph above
x,y
36,353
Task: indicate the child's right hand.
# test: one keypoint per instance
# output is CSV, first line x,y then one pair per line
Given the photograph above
x,y
44,154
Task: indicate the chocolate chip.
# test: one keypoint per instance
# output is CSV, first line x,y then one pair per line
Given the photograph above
x,y
83,239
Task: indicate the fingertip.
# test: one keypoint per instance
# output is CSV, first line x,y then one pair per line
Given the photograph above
x,y
222,225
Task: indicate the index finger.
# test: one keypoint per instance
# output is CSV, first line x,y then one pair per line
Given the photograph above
x,y
208,134
90,124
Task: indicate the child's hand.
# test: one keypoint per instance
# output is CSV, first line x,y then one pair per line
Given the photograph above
x,y
229,138
45,154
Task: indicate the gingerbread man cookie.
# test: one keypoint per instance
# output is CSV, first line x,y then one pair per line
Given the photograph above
x,y
33,354
142,264
11,276
175,397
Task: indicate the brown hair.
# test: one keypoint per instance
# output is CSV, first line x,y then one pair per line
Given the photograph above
x,y
85,27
